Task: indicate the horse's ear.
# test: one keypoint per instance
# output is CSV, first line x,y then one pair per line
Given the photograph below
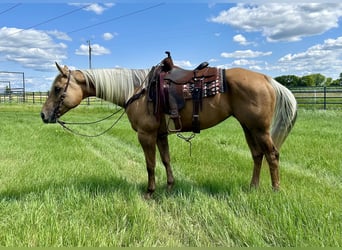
x,y
64,71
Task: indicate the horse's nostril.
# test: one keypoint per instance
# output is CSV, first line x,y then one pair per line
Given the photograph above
x,y
42,115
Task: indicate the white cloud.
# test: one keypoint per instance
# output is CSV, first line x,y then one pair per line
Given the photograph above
x,y
98,9
325,58
212,60
31,48
241,40
184,63
243,62
95,7
282,21
255,67
109,36
245,54
59,35
96,50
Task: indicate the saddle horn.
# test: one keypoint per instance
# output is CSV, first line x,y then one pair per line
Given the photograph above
x,y
167,63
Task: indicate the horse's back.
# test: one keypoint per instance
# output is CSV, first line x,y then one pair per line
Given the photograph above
x,y
244,78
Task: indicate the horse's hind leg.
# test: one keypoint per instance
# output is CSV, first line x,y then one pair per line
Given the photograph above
x,y
256,154
163,146
272,157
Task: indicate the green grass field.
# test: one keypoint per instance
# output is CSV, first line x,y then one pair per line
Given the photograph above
x,y
58,189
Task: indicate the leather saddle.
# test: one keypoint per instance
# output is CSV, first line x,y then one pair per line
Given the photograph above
x,y
172,85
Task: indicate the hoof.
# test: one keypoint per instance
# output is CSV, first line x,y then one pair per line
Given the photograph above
x,y
148,195
169,186
253,186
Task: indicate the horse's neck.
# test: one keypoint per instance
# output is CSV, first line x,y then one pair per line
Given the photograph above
x,y
115,85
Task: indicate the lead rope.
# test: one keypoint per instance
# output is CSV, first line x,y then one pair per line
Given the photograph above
x,y
187,139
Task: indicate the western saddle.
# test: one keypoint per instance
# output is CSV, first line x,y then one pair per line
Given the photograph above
x,y
170,86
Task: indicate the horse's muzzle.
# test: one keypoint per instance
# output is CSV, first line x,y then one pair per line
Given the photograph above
x,y
47,119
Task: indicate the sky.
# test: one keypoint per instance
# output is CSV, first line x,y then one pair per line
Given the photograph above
x,y
285,38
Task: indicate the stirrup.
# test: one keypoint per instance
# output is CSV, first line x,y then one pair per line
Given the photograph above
x,y
174,130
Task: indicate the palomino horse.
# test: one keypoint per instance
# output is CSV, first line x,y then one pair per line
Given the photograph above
x,y
265,109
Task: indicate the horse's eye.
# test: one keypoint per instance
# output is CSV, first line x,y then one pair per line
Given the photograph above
x,y
57,90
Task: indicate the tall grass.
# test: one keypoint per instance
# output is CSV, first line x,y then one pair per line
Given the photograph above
x,y
58,189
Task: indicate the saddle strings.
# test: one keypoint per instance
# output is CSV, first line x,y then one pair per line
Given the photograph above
x,y
187,139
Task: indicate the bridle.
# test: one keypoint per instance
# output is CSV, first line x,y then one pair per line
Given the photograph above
x,y
63,123
56,112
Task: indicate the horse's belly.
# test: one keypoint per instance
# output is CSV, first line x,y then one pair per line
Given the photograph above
x,y
213,111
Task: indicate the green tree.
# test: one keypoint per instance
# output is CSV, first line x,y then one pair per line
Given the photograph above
x,y
319,79
308,81
329,81
288,80
336,82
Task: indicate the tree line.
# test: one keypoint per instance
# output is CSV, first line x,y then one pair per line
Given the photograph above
x,y
313,80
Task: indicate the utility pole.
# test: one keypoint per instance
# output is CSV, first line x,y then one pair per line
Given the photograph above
x,y
89,52
89,47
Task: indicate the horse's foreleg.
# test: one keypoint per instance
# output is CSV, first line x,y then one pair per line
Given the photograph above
x,y
163,146
148,143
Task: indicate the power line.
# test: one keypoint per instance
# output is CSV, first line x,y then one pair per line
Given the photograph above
x,y
116,18
60,16
51,19
89,26
11,8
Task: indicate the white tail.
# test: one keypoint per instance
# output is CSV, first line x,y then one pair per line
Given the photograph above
x,y
285,113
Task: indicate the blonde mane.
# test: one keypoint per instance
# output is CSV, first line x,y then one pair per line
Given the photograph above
x,y
116,85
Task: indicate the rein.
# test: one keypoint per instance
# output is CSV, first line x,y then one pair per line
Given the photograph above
x,y
63,124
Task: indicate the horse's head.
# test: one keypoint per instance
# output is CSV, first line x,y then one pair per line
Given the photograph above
x,y
65,94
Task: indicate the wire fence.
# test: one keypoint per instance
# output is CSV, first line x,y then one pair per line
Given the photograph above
x,y
307,97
